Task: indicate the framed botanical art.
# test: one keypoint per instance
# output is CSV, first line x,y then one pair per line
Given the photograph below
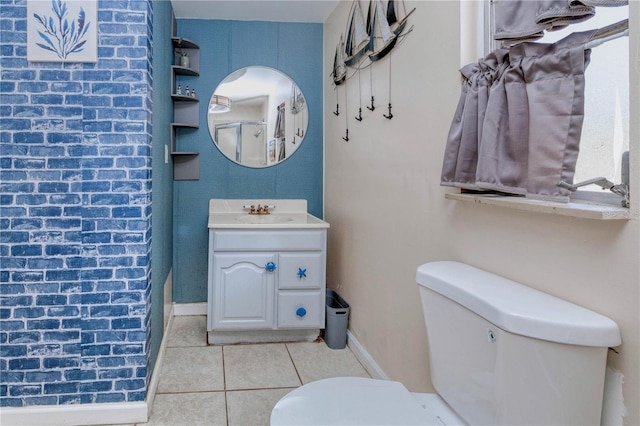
x,y
62,30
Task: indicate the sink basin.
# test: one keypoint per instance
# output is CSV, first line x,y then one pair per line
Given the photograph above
x,y
252,218
233,214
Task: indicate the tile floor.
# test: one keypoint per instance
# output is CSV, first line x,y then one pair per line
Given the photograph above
x,y
236,384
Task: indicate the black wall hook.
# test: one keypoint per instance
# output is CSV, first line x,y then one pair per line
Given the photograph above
x,y
390,116
359,117
372,107
337,111
346,136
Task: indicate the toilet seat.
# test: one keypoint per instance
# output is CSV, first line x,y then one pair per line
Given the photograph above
x,y
351,401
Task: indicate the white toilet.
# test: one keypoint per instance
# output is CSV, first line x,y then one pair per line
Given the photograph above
x,y
500,354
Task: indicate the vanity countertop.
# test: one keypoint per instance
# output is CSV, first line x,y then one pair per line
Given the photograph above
x,y
286,214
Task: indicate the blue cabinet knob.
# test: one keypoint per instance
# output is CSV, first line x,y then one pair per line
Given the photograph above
x,y
301,312
302,273
270,267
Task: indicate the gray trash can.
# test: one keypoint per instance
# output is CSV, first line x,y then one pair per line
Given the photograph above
x,y
337,318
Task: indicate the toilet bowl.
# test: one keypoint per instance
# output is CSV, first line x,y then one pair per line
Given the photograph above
x,y
500,353
361,401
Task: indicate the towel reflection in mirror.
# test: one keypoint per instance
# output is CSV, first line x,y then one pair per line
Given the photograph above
x,y
280,133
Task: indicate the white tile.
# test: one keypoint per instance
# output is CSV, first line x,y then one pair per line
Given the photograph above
x,y
202,408
192,369
188,331
315,361
193,378
258,367
253,407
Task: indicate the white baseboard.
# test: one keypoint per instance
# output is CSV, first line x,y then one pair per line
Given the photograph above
x,y
365,359
185,309
76,414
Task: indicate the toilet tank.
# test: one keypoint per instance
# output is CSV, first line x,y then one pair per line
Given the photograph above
x,y
502,353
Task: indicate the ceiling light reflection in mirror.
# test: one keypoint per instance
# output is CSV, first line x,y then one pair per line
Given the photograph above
x,y
265,120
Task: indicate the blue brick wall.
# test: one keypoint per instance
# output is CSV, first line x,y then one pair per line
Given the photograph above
x,y
75,214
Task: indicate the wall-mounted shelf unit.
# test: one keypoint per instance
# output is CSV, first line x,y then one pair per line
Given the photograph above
x,y
186,109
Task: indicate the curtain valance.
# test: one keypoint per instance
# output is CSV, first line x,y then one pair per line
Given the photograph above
x,y
526,20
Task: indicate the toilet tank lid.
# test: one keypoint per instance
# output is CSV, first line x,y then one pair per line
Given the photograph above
x,y
517,308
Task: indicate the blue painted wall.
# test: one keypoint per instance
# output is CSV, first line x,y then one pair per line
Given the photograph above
x,y
162,180
226,46
75,214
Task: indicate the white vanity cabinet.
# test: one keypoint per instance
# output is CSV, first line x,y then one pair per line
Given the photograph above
x,y
266,284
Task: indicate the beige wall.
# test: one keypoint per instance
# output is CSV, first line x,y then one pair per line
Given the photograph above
x,y
388,214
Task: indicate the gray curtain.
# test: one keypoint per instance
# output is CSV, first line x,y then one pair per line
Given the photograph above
x,y
519,119
544,100
461,154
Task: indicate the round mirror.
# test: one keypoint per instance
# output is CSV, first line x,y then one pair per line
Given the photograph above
x,y
257,117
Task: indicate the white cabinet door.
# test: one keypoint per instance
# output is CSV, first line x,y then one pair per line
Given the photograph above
x,y
244,290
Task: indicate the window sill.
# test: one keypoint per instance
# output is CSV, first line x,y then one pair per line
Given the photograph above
x,y
580,209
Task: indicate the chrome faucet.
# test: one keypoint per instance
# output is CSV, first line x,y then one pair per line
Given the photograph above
x,y
266,209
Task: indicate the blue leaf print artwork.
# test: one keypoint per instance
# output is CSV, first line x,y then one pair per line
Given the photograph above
x,y
60,36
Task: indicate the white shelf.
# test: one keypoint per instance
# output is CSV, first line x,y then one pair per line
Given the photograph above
x,y
580,209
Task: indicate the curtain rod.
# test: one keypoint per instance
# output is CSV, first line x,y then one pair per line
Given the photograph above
x,y
608,33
